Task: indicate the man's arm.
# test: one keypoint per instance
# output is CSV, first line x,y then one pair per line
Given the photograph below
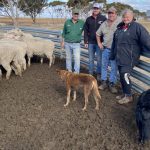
x,y
63,36
98,37
86,34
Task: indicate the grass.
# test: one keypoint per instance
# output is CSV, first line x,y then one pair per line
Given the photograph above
x,y
53,23
145,23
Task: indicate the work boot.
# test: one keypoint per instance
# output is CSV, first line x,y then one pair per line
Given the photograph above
x,y
112,88
103,86
125,100
120,96
98,77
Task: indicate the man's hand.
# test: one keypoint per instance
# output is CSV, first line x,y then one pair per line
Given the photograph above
x,y
100,46
86,45
62,44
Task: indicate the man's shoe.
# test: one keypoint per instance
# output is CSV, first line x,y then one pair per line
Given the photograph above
x,y
125,100
112,88
103,86
98,77
120,97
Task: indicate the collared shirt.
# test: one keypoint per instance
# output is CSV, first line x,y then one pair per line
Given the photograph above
x,y
107,32
72,32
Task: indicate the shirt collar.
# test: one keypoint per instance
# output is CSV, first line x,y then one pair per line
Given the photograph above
x,y
72,21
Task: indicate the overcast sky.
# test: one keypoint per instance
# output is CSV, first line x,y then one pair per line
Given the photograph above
x,y
141,5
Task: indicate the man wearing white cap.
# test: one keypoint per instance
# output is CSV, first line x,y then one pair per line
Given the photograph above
x,y
90,27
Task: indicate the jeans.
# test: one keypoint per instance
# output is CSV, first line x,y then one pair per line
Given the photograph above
x,y
105,63
93,48
72,51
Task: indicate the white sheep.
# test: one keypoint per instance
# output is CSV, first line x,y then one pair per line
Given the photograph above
x,y
23,46
36,46
9,52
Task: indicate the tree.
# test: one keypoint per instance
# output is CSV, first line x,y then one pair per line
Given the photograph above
x,y
32,7
81,3
120,7
55,3
10,8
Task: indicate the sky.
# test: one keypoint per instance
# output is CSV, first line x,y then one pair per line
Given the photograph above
x,y
141,5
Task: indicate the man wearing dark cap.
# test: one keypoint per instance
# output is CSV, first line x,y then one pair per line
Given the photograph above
x,y
71,38
91,25
107,29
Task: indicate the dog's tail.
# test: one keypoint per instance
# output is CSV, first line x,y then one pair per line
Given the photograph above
x,y
95,90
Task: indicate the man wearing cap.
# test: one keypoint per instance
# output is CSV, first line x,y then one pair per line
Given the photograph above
x,y
107,29
71,38
91,25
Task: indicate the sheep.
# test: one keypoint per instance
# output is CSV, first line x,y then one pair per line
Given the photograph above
x,y
9,52
18,43
36,46
40,47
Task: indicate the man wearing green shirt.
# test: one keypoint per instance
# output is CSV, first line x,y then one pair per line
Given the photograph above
x,y
71,38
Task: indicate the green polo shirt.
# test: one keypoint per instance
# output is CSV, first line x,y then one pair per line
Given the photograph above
x,y
72,32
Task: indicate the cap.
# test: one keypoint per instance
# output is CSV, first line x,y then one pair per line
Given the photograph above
x,y
75,11
96,5
112,9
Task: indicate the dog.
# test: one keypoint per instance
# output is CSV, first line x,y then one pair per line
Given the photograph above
x,y
143,116
75,80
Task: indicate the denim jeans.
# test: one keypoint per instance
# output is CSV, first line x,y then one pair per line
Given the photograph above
x,y
72,51
105,64
94,49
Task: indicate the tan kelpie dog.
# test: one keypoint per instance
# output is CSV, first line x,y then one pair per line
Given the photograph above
x,y
75,80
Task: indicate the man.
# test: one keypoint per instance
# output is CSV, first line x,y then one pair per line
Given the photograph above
x,y
71,38
129,39
107,29
91,25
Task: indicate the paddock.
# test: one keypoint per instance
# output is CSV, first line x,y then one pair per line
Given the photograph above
x,y
32,116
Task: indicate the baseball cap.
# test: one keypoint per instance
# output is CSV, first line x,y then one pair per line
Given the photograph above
x,y
75,11
112,9
96,5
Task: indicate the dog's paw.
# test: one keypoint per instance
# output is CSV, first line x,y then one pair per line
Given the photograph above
x,y
96,108
74,99
65,105
84,109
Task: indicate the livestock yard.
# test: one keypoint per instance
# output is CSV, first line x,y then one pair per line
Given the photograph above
x,y
32,115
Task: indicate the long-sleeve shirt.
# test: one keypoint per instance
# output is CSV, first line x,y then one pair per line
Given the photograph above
x,y
90,27
72,32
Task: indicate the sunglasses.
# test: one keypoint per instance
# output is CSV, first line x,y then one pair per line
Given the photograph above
x,y
111,12
76,14
95,8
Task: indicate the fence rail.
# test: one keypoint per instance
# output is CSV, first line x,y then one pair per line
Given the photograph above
x,y
141,74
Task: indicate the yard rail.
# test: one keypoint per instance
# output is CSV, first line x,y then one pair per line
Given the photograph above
x,y
140,75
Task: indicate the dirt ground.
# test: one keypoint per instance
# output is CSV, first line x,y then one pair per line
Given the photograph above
x,y
32,116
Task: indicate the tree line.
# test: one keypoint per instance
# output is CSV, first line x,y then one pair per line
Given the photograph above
x,y
32,8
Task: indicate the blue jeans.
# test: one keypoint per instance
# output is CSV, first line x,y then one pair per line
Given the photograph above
x,y
93,48
72,51
105,64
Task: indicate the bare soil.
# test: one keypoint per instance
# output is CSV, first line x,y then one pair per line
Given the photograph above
x,y
32,116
